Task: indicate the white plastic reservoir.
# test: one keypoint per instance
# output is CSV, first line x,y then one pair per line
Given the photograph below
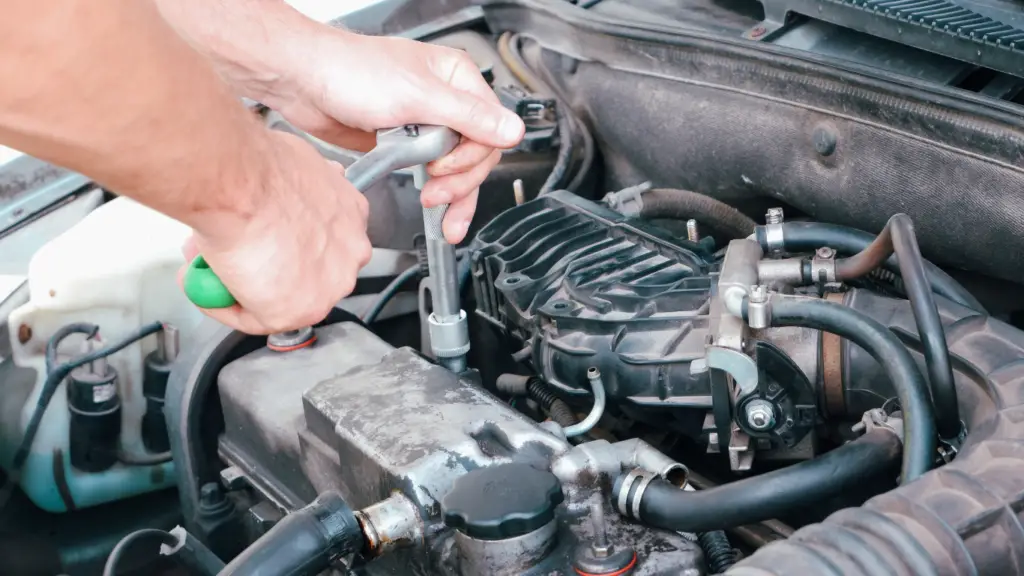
x,y
116,268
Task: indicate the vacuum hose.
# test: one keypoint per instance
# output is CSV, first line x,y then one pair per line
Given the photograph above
x,y
809,236
664,505
682,204
919,435
304,542
898,236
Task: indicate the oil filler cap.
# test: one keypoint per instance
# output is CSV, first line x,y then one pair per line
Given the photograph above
x,y
501,502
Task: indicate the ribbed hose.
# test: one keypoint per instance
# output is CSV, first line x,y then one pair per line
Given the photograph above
x,y
919,435
538,391
676,204
719,555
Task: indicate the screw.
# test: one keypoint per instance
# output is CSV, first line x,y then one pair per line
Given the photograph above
x,y
774,216
758,294
692,232
518,192
825,253
600,545
760,414
758,31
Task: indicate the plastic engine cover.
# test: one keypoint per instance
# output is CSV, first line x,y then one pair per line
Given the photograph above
x,y
587,287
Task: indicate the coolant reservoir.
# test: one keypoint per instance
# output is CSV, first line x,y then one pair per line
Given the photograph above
x,y
116,268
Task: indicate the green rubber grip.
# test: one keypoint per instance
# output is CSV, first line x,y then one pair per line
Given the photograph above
x,y
204,288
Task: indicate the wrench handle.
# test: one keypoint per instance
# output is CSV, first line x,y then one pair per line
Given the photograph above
x,y
397,148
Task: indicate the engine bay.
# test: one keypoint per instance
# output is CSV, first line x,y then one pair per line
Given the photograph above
x,y
729,309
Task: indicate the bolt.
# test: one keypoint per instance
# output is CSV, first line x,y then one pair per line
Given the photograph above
x,y
518,192
824,141
758,31
825,253
758,294
600,545
692,232
774,216
760,414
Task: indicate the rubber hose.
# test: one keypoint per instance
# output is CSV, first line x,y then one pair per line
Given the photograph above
x,y
664,505
559,412
719,555
911,388
809,236
303,542
161,536
565,150
682,205
898,237
388,293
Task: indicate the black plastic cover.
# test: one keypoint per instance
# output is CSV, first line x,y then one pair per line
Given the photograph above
x,y
503,501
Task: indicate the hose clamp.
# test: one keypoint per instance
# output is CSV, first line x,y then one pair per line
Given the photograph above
x,y
773,234
631,492
878,418
823,267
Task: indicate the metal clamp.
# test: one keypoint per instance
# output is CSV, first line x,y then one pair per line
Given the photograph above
x,y
823,267
759,307
773,232
630,506
878,418
628,201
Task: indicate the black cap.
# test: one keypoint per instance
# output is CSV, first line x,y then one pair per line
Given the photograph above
x,y
502,501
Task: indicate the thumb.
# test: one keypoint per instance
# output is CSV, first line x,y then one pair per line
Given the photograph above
x,y
475,118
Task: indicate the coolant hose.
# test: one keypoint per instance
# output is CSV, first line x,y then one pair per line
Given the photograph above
x,y
675,204
809,236
919,435
304,542
898,237
664,505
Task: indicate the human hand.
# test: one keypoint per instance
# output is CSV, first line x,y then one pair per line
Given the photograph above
x,y
342,87
299,247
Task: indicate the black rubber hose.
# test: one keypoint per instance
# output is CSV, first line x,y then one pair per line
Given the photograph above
x,y
159,536
565,150
682,204
389,292
664,505
719,555
911,388
929,327
537,390
303,542
809,236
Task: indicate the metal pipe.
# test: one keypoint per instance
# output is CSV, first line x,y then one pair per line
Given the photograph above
x,y
594,375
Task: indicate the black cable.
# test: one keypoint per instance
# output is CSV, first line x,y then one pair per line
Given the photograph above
x,y
389,292
165,538
147,460
53,379
589,151
918,416
809,236
719,555
759,498
565,149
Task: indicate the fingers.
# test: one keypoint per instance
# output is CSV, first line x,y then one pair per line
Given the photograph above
x,y
459,217
189,249
479,119
459,190
465,156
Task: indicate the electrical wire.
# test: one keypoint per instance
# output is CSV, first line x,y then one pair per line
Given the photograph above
x,y
54,377
389,292
165,538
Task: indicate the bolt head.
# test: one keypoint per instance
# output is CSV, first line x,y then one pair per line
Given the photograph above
x,y
602,551
210,494
825,253
774,216
760,415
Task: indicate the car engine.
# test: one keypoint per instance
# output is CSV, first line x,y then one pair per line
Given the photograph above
x,y
744,306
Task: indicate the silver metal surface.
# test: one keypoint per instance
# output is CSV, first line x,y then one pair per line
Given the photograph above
x,y
509,557
168,344
290,338
692,230
741,367
601,458
741,450
788,271
29,185
585,425
391,524
444,292
628,201
398,148
759,312
823,266
877,418
739,273
600,545
774,236
631,492
760,414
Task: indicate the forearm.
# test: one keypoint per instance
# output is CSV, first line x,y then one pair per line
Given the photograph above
x,y
109,90
253,44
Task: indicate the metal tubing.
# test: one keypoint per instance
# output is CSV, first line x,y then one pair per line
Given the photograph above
x,y
594,375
